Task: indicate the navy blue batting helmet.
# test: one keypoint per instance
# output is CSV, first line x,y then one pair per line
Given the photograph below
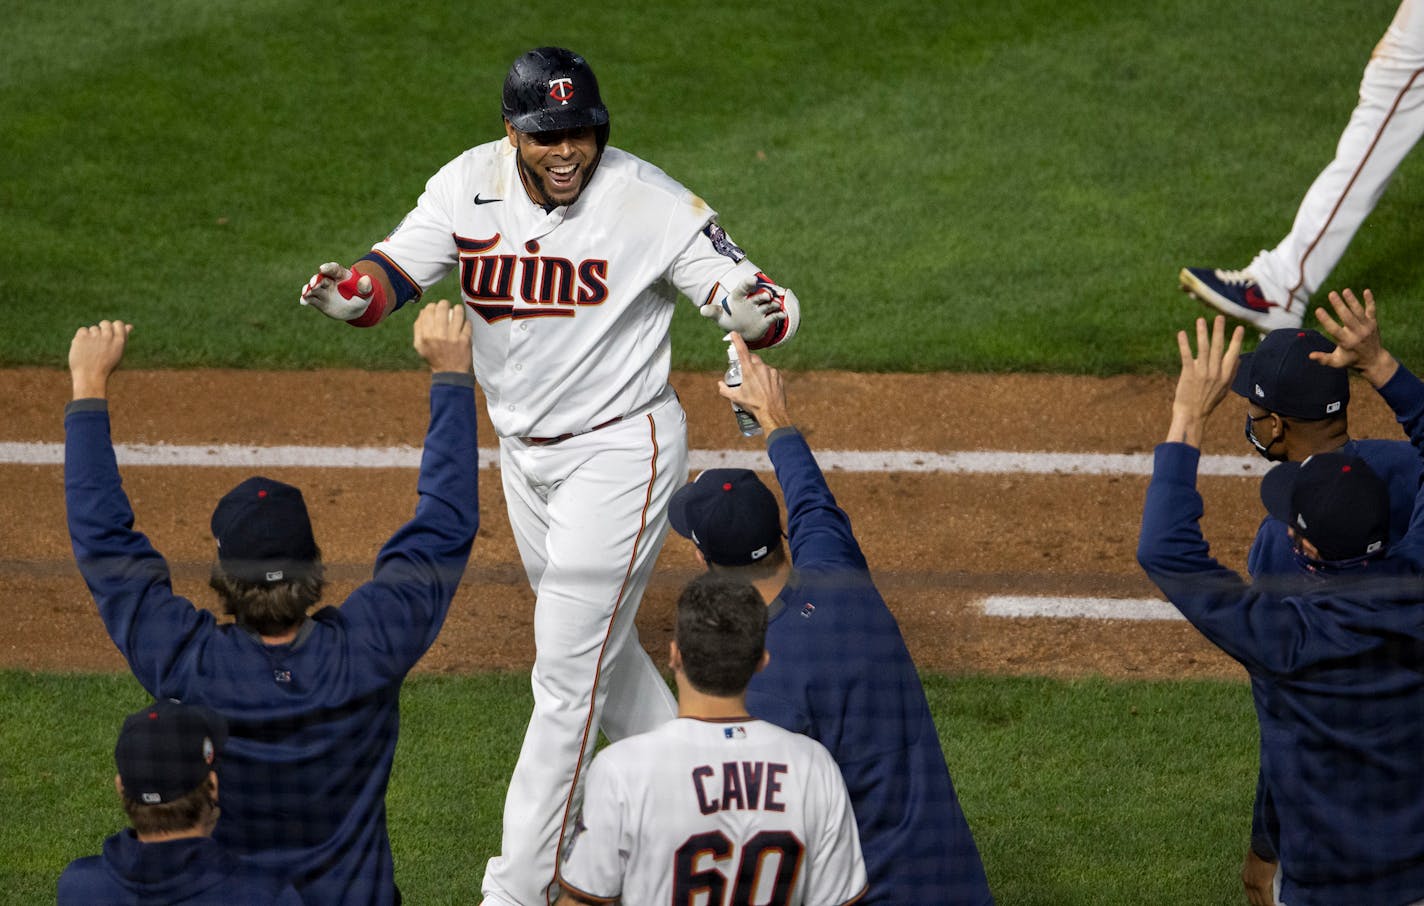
x,y
552,88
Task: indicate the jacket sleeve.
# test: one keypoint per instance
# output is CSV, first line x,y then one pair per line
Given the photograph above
x,y
397,615
1265,827
150,625
819,531
1405,395
1262,634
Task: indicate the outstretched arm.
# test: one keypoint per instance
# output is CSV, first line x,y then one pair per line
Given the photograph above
x,y
1171,549
128,579
400,611
1355,330
361,295
818,529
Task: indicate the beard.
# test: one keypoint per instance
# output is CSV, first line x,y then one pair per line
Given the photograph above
x,y
539,187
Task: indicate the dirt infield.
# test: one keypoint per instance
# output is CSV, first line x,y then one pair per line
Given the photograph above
x,y
938,543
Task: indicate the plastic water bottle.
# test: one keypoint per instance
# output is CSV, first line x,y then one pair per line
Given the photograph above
x,y
747,422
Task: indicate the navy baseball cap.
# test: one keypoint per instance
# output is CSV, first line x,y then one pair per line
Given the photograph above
x,y
1333,500
263,532
1280,377
729,514
166,750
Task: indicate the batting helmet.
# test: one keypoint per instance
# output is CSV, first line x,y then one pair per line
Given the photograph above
x,y
551,88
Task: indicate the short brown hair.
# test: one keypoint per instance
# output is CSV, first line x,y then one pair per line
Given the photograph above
x,y
721,633
268,608
184,813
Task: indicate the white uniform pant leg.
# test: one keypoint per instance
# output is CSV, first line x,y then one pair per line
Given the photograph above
x,y
600,502
1384,127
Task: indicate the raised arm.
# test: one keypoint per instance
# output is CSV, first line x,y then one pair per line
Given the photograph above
x,y
1354,326
1258,632
129,580
400,611
818,529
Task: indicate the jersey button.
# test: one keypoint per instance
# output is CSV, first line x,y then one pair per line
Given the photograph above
x,y
518,366
523,326
511,407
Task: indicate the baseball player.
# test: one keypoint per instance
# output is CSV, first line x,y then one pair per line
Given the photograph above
x,y
715,807
312,701
839,671
571,254
1298,408
1339,660
1274,289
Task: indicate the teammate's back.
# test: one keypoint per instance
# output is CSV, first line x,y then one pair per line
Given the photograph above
x,y
716,806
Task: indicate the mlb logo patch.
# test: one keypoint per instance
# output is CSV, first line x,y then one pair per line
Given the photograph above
x,y
807,609
734,732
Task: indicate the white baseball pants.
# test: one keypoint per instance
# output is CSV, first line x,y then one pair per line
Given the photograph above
x,y
1385,125
589,514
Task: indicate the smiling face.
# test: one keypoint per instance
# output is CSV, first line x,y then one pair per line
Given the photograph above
x,y
555,166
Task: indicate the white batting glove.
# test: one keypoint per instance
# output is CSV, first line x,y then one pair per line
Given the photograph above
x,y
338,292
750,308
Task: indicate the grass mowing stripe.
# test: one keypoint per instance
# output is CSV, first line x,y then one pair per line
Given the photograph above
x,y
1093,792
969,186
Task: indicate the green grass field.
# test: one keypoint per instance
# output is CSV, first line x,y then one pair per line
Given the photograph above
x,y
984,185
1091,792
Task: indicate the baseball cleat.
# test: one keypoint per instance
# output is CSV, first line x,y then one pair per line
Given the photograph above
x,y
1236,294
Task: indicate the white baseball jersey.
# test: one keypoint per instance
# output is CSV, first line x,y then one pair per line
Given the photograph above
x,y
570,307
714,813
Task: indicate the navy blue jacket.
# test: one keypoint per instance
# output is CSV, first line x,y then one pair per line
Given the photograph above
x,y
1272,558
313,723
841,674
195,871
1338,662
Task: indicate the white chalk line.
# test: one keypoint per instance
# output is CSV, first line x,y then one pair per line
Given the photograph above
x,y
977,462
1079,608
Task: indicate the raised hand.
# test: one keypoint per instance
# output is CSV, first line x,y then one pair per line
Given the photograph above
x,y
442,337
1355,330
94,354
1205,378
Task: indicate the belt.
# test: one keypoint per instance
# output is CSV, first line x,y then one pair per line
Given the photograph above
x,y
544,441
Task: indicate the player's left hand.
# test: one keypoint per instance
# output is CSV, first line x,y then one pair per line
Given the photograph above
x,y
1355,330
338,292
442,337
750,308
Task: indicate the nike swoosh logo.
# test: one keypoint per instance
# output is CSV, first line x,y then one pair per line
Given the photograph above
x,y
479,200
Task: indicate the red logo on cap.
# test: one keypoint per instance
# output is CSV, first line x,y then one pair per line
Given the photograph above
x,y
261,494
727,486
561,90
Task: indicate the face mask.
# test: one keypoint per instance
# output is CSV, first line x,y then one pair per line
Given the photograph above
x,y
1263,449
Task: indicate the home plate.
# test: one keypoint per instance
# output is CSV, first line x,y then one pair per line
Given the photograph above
x,y
1079,608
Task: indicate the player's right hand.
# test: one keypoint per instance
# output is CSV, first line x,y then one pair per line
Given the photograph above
x,y
338,292
94,353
